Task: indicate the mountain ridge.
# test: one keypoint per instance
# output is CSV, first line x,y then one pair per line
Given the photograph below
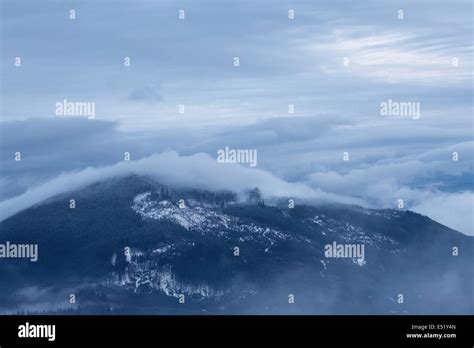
x,y
190,250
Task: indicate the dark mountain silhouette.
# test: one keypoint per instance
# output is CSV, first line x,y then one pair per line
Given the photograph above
x,y
132,245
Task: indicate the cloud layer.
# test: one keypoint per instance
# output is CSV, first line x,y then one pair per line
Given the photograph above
x,y
283,62
196,171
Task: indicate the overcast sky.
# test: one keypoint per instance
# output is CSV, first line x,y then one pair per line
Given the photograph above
x,y
283,61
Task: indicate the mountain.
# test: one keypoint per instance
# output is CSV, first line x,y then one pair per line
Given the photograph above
x,y
133,245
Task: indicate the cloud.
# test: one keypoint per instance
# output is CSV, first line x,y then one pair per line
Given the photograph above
x,y
196,171
388,161
282,62
51,146
148,93
451,209
395,57
381,186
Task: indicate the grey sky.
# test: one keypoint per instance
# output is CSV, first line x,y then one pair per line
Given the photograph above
x,y
282,62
